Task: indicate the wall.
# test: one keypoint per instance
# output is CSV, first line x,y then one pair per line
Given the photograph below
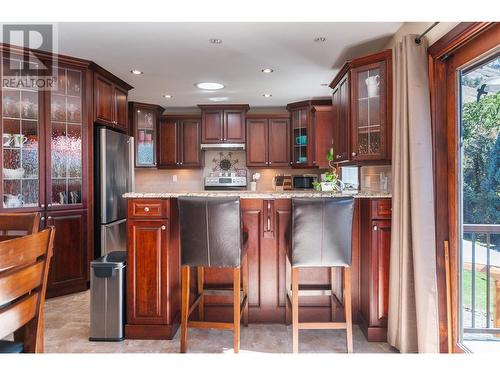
x,y
418,28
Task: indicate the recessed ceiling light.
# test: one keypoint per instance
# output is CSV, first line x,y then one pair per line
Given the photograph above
x,y
320,39
215,41
136,71
167,96
219,99
267,95
209,85
267,70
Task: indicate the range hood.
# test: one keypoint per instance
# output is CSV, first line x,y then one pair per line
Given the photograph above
x,y
223,146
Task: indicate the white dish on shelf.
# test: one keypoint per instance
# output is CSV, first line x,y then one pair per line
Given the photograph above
x,y
13,173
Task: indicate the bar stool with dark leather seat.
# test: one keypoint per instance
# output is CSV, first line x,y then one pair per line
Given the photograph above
x,y
321,235
212,236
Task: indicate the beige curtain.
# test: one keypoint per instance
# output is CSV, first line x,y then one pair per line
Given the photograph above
x,y
413,324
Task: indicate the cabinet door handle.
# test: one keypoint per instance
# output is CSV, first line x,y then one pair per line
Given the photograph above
x,y
146,209
353,154
163,227
375,228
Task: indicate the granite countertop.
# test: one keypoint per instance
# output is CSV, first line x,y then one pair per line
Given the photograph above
x,y
246,194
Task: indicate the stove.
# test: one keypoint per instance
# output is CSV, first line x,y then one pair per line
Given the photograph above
x,y
225,183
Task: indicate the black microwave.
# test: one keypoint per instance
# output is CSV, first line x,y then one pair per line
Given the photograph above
x,y
304,181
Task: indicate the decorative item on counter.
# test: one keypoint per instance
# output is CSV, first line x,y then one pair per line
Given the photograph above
x,y
287,182
253,184
278,181
329,180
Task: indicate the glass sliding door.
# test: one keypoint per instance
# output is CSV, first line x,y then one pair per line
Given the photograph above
x,y
479,164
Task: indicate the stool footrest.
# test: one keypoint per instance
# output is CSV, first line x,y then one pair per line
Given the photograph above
x,y
323,325
217,325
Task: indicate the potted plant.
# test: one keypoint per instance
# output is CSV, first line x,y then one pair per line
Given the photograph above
x,y
331,181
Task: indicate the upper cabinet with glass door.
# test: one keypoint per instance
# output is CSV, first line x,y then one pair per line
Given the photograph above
x,y
143,118
369,124
66,138
20,148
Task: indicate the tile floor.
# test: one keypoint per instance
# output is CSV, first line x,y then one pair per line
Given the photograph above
x,y
67,331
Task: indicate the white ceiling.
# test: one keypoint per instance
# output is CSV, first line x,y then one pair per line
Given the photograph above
x,y
174,56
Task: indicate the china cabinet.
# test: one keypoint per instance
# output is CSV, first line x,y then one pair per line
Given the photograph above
x,y
46,148
311,132
143,127
364,116
223,123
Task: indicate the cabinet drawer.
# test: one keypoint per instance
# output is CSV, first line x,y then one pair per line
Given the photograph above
x,y
139,208
381,208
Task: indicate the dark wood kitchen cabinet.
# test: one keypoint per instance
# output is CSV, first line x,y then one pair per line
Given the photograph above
x,y
69,266
366,116
340,117
311,133
374,267
143,127
110,100
268,141
223,123
153,277
179,140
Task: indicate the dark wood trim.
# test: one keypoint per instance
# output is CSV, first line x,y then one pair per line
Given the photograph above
x,y
308,103
459,35
107,74
195,116
258,116
456,48
244,107
360,61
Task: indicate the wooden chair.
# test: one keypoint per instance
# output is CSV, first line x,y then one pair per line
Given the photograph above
x,y
24,267
14,225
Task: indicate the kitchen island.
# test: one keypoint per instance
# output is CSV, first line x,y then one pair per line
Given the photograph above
x,y
153,284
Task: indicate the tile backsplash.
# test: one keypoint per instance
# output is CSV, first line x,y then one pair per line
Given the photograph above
x,y
164,180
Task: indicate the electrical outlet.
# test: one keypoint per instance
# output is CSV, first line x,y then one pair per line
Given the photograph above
x,y
174,178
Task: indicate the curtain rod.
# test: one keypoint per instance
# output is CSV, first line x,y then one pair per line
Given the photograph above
x,y
418,39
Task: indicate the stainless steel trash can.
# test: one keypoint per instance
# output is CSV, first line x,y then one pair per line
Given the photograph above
x,y
107,297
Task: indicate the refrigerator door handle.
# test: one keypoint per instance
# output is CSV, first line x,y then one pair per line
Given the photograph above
x,y
131,174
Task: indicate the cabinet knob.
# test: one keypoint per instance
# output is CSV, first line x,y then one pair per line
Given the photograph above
x,y
42,206
375,228
314,161
338,156
269,163
353,154
42,218
49,205
180,163
49,218
146,209
291,162
163,227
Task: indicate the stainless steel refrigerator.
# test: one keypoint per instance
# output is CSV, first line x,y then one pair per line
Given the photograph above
x,y
113,176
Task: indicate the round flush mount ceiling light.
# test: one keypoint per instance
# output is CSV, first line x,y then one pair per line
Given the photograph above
x,y
209,85
167,96
215,41
219,99
320,39
267,95
267,70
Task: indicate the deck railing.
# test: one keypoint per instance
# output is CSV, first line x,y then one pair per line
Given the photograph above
x,y
485,231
